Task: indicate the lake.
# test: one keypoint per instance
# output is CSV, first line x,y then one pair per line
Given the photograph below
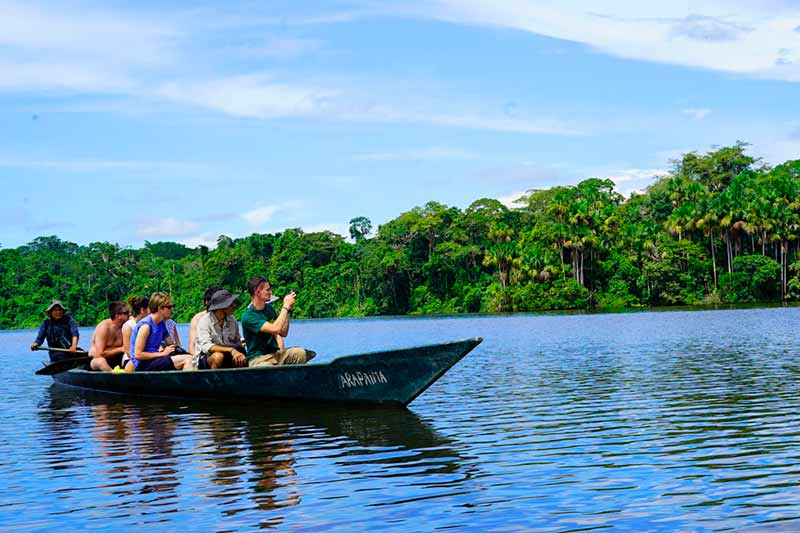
x,y
647,421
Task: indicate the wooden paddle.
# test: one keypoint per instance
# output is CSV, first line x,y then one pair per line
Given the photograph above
x,y
65,364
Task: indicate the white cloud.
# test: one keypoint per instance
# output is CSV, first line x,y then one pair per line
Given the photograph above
x,y
635,179
510,200
97,165
338,229
751,38
204,239
103,36
260,215
696,113
255,96
168,227
423,154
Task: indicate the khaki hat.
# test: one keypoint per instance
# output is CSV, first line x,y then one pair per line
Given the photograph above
x,y
55,303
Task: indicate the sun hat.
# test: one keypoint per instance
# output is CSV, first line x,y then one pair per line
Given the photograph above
x,y
55,303
221,299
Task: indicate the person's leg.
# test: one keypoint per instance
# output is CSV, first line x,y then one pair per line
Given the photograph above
x,y
264,360
295,356
100,364
216,360
179,361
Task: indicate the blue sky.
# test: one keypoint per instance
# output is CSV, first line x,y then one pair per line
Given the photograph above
x,y
183,121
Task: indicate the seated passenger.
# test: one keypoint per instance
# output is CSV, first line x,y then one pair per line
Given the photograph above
x,y
106,349
196,318
146,350
262,328
60,330
218,341
139,308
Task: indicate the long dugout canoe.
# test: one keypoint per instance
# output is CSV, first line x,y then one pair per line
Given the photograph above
x,y
387,377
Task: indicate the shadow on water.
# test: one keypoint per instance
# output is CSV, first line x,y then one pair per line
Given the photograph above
x,y
239,457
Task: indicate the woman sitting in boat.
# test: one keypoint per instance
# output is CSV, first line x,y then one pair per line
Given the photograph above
x,y
139,308
60,330
147,354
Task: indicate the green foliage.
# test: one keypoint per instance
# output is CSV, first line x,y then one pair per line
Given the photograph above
x,y
719,227
754,279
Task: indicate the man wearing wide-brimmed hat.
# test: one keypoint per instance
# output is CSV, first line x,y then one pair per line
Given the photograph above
x,y
60,330
218,344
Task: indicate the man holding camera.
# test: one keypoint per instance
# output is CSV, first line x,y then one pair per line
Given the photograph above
x,y
264,329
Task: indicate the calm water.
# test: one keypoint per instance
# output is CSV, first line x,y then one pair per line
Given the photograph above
x,y
667,421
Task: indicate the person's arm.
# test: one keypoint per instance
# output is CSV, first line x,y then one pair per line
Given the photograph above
x,y
73,329
281,324
127,331
141,340
204,339
279,339
193,334
174,334
40,335
100,348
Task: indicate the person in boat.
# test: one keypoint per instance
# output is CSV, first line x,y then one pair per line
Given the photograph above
x,y
196,318
218,343
147,351
107,350
262,327
59,330
172,329
139,309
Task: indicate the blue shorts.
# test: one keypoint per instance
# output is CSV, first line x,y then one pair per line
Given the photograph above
x,y
156,365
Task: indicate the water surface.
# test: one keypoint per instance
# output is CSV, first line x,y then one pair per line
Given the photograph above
x,y
656,421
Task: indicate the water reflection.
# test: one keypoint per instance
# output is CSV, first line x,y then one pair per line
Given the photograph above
x,y
154,457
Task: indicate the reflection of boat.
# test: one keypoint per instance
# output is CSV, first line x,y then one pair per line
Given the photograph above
x,y
391,377
268,421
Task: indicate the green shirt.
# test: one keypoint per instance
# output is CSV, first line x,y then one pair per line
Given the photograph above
x,y
258,342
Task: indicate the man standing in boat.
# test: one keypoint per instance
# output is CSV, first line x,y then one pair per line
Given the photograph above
x,y
60,330
262,327
107,350
218,343
147,353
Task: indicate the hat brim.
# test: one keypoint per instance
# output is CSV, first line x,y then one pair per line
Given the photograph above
x,y
227,302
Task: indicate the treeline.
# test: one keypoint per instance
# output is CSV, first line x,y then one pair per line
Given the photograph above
x,y
721,227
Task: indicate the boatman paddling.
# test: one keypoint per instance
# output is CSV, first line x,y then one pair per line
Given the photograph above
x,y
262,327
60,330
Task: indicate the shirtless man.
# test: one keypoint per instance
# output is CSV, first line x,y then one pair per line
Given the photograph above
x,y
107,350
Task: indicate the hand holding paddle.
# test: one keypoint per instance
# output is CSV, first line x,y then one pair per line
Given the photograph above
x,y
76,351
57,367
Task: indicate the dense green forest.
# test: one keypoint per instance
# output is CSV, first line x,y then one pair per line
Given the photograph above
x,y
721,227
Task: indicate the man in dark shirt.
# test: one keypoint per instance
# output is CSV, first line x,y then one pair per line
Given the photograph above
x,y
263,328
60,330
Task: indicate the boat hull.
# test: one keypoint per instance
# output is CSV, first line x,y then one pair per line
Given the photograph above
x,y
389,377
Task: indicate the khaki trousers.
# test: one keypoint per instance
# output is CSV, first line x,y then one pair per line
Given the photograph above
x,y
289,356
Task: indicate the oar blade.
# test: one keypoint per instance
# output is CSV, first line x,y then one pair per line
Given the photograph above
x,y
62,366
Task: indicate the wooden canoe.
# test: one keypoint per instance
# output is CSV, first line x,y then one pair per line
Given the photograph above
x,y
388,377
